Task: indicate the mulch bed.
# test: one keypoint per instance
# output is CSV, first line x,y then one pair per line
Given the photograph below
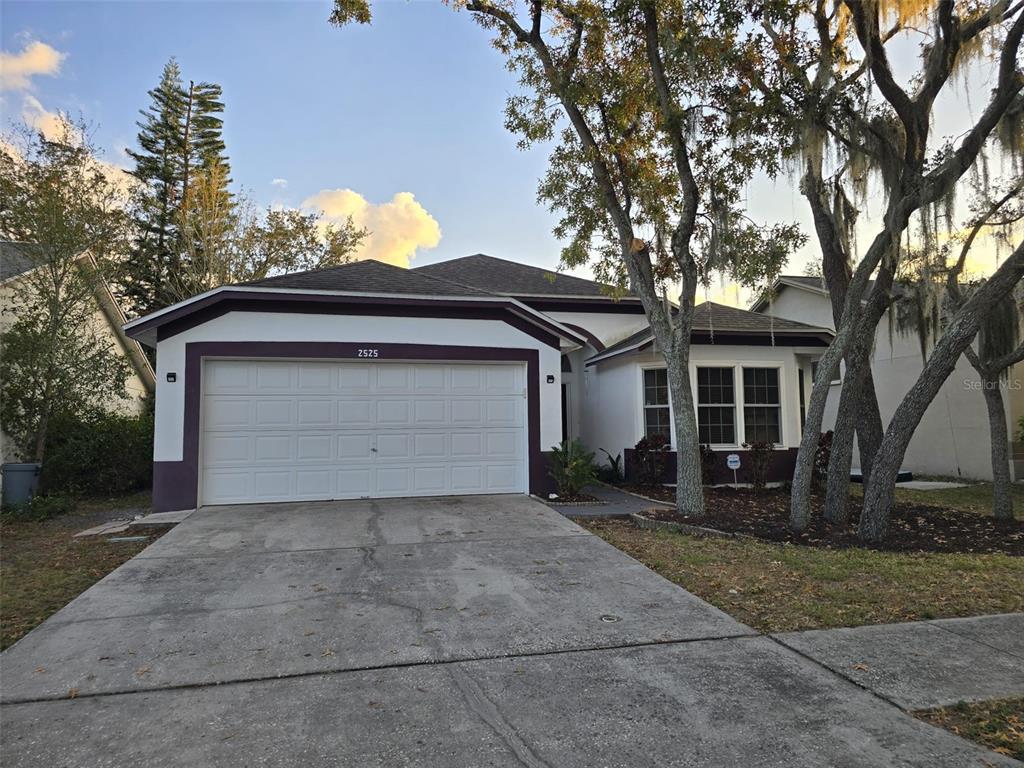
x,y
579,498
913,528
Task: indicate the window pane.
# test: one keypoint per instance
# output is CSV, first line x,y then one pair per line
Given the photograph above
x,y
761,386
762,424
655,386
716,424
657,422
715,385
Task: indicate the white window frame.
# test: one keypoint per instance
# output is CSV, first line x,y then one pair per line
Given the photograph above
x,y
641,414
738,382
738,402
736,407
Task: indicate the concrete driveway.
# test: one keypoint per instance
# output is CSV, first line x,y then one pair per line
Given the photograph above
x,y
434,632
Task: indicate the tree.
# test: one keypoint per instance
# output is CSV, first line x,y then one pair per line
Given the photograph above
x,y
882,130
70,218
182,153
655,134
934,292
159,168
225,241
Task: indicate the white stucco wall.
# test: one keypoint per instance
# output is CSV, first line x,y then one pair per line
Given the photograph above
x,y
612,417
277,327
953,436
609,327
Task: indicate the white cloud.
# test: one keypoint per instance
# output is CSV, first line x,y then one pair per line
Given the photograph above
x,y
279,183
398,228
51,124
18,69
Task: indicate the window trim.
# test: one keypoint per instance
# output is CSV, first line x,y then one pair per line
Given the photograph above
x,y
739,402
736,412
641,423
782,388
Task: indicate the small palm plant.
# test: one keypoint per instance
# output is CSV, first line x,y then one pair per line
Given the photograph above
x,y
572,467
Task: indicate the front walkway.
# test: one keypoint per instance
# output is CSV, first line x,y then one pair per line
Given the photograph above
x,y
454,632
925,664
617,503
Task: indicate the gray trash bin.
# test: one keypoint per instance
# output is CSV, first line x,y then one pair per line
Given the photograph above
x,y
20,482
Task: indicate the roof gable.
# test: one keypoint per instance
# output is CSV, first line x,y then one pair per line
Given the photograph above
x,y
367,276
510,278
15,259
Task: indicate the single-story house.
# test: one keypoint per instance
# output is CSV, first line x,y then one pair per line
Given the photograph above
x,y
953,437
16,263
368,380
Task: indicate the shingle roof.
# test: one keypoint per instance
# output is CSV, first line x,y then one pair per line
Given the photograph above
x,y
509,278
15,259
367,276
719,318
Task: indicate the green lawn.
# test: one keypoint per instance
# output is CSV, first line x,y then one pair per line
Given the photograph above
x,y
42,568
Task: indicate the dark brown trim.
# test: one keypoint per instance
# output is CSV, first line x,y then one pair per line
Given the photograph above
x,y
595,342
732,339
176,483
780,466
198,312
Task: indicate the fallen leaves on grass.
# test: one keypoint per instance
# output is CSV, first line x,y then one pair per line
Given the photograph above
x,y
998,725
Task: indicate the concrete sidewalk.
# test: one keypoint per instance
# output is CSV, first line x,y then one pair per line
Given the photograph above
x,y
924,664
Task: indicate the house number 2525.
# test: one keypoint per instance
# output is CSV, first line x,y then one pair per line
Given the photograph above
x,y
368,353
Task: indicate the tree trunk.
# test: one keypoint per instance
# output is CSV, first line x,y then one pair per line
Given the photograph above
x,y
1002,498
961,330
689,480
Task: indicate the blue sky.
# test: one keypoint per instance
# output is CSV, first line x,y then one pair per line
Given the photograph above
x,y
413,103
406,113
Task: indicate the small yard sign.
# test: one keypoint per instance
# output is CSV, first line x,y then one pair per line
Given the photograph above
x,y
732,461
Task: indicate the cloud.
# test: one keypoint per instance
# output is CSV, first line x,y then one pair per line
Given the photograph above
x,y
280,183
18,69
397,228
51,124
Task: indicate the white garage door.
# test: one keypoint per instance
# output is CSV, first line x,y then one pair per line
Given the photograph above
x,y
280,430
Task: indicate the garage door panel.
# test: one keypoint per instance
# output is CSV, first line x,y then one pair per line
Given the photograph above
x,y
274,431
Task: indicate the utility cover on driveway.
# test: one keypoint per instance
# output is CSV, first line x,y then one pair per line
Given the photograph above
x,y
434,632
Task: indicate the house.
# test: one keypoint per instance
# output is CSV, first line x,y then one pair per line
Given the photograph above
x,y
368,380
953,437
16,262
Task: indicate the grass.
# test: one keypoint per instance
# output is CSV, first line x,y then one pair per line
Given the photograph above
x,y
976,497
783,588
998,725
42,568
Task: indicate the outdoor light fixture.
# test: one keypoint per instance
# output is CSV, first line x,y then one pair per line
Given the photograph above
x,y
172,376
551,378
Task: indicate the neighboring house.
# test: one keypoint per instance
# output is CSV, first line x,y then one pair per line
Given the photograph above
x,y
16,263
369,380
953,437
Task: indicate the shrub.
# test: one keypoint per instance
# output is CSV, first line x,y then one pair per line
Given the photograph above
x,y
572,467
1020,430
760,461
612,471
650,459
100,453
708,462
40,508
821,459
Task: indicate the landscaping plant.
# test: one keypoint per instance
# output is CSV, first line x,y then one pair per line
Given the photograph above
x,y
760,461
612,471
649,455
572,467
708,462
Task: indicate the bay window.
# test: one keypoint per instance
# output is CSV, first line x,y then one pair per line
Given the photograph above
x,y
716,406
657,418
762,406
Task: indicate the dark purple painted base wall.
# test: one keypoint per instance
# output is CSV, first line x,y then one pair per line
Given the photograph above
x,y
780,470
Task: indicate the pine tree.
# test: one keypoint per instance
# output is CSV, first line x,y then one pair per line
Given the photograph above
x,y
159,168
